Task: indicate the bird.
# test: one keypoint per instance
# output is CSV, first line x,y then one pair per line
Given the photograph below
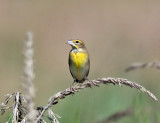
x,y
79,63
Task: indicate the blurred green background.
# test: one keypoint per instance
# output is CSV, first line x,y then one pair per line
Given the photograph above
x,y
116,33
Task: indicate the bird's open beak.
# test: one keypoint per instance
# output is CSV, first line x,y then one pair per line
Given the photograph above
x,y
70,42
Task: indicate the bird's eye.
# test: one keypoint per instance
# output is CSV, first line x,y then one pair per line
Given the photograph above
x,y
77,41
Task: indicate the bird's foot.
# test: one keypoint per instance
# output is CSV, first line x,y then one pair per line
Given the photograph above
x,y
72,90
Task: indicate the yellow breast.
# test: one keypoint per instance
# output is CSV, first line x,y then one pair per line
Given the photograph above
x,y
79,58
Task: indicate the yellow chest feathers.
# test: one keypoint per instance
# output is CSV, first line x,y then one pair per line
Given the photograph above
x,y
79,58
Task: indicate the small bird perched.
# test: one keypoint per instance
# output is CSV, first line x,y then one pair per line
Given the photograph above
x,y
79,63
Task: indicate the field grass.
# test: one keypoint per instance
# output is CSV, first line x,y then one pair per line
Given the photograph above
x,y
116,33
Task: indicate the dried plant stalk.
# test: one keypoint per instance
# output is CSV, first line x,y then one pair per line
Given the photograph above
x,y
116,81
116,116
154,64
16,108
19,111
29,91
3,105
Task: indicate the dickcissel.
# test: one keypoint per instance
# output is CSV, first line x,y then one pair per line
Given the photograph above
x,y
79,63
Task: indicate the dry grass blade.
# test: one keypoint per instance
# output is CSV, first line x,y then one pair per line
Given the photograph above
x,y
52,116
116,81
17,108
3,109
154,64
3,105
8,98
116,116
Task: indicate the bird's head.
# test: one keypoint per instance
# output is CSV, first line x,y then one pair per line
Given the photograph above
x,y
76,44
